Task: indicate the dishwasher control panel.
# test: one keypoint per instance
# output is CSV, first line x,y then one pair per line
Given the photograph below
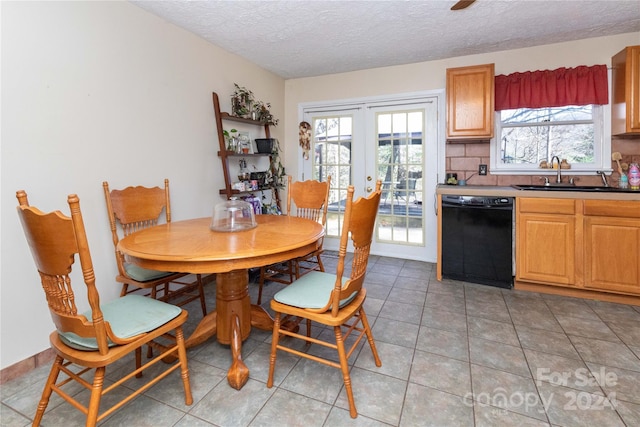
x,y
488,201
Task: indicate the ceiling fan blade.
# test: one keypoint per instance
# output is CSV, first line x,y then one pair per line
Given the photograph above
x,y
462,4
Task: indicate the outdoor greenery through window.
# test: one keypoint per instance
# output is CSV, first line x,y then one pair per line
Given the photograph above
x,y
332,138
528,136
399,154
399,160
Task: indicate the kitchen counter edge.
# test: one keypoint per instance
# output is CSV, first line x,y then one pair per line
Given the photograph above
x,y
501,191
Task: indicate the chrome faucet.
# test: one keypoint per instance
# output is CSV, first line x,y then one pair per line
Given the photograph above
x,y
559,178
604,178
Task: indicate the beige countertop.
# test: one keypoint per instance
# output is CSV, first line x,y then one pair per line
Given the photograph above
x,y
500,191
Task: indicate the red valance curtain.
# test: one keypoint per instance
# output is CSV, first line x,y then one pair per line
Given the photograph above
x,y
552,88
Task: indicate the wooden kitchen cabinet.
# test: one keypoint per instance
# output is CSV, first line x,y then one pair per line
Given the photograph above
x,y
470,103
612,245
625,108
579,247
546,241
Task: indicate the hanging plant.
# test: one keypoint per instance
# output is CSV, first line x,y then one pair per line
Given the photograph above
x,y
276,175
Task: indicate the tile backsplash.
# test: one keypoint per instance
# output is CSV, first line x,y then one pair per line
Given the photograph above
x,y
464,159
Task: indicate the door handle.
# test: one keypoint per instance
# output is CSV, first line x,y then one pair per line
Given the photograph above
x,y
369,189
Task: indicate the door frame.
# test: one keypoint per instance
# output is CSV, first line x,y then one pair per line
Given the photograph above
x,y
303,166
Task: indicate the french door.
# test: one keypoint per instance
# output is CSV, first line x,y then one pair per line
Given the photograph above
x,y
395,142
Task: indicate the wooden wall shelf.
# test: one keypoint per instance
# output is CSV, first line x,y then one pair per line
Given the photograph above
x,y
225,155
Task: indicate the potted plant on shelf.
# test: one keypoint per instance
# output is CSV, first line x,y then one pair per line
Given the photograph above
x,y
242,102
231,138
262,113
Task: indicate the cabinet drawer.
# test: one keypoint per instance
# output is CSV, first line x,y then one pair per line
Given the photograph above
x,y
618,209
547,206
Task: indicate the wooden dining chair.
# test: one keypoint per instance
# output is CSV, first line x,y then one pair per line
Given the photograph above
x,y
103,334
311,200
331,299
134,209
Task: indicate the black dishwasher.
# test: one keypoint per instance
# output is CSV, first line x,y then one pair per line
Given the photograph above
x,y
477,239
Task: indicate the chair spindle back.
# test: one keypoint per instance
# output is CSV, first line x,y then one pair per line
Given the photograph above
x,y
310,199
54,240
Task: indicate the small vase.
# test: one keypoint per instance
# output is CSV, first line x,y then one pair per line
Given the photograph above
x,y
232,143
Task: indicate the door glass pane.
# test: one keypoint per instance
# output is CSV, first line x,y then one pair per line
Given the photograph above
x,y
399,162
332,137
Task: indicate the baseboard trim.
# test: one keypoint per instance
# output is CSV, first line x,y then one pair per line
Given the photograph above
x,y
30,363
578,293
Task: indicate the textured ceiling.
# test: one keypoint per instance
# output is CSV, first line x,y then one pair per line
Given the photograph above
x,y
303,38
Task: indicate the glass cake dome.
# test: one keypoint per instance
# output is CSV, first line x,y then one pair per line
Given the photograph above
x,y
233,215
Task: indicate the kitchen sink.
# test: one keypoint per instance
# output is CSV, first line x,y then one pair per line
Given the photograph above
x,y
564,187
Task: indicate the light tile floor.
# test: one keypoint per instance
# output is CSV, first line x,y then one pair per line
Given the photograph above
x,y
453,354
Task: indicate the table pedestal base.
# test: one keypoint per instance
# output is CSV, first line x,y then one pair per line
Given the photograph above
x,y
232,321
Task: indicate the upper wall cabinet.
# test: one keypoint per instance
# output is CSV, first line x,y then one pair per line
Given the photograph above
x,y
625,109
470,103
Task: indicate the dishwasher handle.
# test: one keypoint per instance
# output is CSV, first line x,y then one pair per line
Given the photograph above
x,y
490,207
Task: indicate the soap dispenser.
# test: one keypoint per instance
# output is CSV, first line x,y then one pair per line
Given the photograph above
x,y
634,176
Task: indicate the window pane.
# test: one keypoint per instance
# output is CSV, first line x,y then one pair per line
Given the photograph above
x,y
551,114
399,156
529,136
531,145
332,148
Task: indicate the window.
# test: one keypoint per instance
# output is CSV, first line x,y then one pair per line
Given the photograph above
x,y
547,113
527,136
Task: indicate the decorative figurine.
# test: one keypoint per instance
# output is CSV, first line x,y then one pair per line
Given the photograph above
x,y
305,139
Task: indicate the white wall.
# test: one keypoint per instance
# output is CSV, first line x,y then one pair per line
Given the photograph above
x,y
95,91
426,76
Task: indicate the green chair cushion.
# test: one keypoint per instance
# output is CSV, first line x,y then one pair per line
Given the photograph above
x,y
129,316
142,274
312,290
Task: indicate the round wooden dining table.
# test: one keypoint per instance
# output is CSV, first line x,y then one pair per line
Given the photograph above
x,y
190,246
